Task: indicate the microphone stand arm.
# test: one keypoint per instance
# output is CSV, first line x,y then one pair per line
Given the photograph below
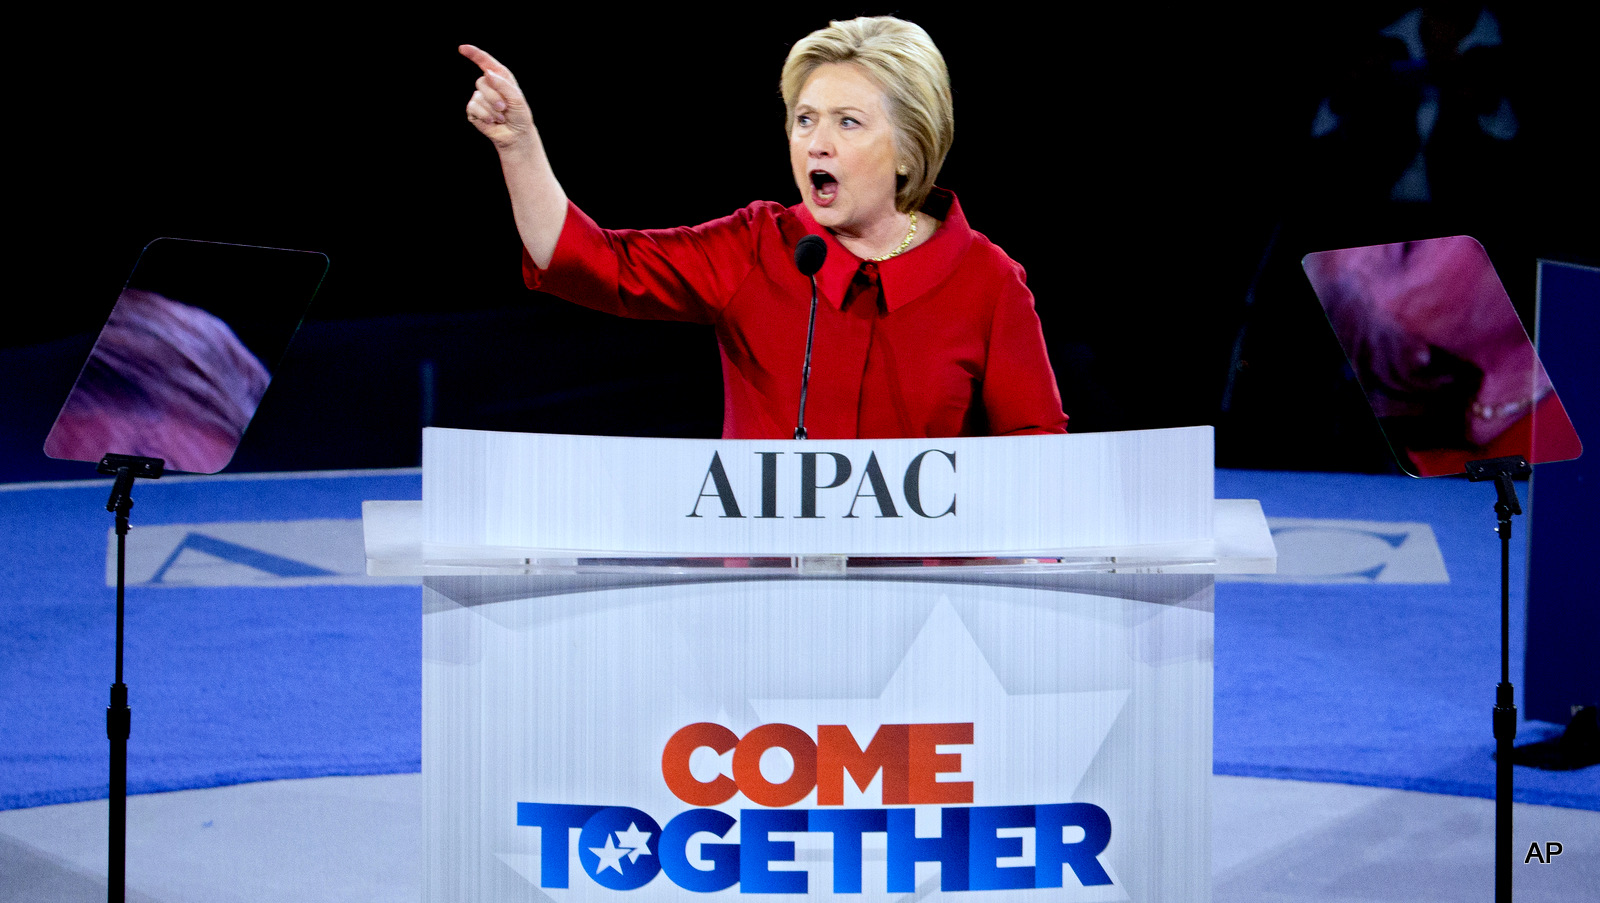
x,y
805,372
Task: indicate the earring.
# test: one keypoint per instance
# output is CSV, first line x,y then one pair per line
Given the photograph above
x,y
901,171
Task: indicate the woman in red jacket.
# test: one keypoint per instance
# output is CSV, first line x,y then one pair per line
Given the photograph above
x,y
925,328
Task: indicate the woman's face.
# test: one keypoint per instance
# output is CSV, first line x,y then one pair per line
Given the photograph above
x,y
841,147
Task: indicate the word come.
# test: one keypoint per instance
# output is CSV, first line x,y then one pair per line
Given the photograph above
x,y
907,755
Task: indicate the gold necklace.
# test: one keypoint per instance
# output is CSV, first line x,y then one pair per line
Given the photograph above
x,y
903,245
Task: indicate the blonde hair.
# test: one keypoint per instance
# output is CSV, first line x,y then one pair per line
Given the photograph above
x,y
903,60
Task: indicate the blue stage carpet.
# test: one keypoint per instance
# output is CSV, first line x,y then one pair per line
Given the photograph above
x,y
293,678
279,660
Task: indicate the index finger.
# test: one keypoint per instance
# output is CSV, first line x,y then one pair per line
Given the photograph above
x,y
484,61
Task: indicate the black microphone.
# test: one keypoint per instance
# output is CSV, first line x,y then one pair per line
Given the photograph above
x,y
808,257
809,254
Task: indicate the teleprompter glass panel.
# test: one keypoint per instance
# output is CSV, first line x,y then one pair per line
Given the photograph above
x,y
1437,347
186,354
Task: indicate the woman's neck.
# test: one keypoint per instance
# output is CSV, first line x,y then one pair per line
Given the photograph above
x,y
888,237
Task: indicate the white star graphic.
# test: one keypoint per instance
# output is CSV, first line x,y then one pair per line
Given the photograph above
x,y
1030,748
635,841
610,856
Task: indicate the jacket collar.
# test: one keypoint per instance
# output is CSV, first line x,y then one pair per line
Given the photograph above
x,y
904,278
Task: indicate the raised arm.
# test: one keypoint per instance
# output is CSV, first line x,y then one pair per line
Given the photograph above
x,y
499,110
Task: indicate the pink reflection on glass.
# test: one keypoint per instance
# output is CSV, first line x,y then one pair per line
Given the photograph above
x,y
165,380
1438,348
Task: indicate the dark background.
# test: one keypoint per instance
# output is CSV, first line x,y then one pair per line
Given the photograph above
x,y
1153,168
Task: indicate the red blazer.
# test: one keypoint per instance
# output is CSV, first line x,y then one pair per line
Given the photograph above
x,y
954,349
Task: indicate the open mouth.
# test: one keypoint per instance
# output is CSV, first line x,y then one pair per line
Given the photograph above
x,y
824,187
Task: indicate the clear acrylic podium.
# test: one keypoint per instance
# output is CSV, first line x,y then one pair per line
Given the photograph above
x,y
855,670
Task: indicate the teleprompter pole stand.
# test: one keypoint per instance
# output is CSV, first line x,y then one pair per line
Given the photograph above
x,y
119,718
1502,471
